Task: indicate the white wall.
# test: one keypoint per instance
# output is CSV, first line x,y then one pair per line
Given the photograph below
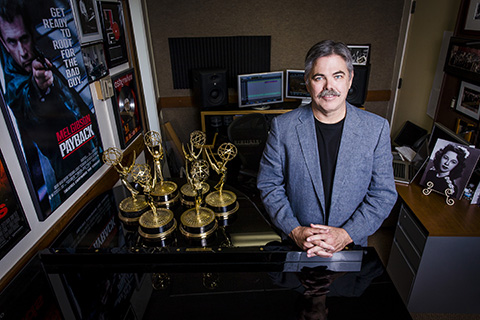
x,y
431,19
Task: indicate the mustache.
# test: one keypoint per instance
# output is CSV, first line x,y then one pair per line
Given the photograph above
x,y
329,92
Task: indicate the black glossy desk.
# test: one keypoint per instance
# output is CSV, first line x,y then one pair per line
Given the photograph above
x,y
99,269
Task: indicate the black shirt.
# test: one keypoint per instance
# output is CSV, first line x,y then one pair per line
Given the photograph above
x,y
328,139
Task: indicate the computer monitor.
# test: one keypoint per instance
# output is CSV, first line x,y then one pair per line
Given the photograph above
x,y
260,90
439,131
295,87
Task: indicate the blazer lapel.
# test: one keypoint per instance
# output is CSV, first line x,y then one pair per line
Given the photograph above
x,y
308,144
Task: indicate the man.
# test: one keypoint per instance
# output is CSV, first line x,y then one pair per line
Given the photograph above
x,y
326,176
42,103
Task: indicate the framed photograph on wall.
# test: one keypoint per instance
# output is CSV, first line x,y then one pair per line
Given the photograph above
x,y
95,62
13,223
360,54
450,166
472,19
126,106
114,36
88,20
463,59
468,101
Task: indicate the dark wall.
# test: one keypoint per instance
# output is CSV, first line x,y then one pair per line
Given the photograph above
x,y
293,25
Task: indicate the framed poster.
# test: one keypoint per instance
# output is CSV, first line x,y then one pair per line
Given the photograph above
x,y
468,101
114,36
13,223
360,54
95,63
47,103
88,20
450,167
126,107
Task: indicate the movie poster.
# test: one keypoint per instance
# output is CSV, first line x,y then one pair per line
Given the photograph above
x,y
127,110
13,223
46,100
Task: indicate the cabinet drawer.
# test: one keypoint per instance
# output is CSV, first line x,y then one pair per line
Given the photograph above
x,y
412,229
400,272
410,253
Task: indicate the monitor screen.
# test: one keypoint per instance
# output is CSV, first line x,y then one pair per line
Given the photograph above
x,y
295,87
259,90
439,131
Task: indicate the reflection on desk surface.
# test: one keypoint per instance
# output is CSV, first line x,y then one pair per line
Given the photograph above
x,y
311,293
99,269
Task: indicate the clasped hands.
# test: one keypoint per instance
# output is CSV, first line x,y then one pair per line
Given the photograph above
x,y
320,240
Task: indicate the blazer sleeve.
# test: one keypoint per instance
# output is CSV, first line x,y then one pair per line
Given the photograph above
x,y
271,182
380,196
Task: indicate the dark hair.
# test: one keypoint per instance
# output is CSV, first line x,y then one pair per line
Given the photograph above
x,y
10,9
462,155
327,48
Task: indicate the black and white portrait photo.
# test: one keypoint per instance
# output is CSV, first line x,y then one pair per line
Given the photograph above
x,y
450,167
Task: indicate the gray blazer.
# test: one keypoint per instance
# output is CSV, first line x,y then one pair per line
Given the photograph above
x,y
290,179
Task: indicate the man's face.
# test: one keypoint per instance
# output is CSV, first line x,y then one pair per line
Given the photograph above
x,y
328,84
18,42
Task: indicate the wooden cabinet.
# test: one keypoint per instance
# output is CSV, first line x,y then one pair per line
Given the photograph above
x,y
435,257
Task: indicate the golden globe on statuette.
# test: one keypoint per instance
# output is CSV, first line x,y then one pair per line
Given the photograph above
x,y
157,223
130,208
198,222
165,193
223,202
192,152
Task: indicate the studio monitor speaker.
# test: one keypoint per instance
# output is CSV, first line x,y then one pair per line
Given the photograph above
x,y
358,91
210,87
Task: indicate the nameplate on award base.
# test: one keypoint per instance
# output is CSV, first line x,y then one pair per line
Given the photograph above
x,y
130,209
223,203
157,225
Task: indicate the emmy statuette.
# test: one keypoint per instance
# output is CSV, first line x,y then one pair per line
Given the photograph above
x,y
198,222
165,193
157,223
130,208
222,202
193,152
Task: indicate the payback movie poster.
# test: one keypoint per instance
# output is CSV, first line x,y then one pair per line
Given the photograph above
x,y
46,100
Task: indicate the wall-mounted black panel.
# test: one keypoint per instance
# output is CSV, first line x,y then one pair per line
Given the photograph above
x,y
238,55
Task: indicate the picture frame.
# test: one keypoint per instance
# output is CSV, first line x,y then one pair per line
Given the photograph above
x,y
114,35
95,61
87,20
463,59
13,222
360,54
60,148
457,175
472,18
468,101
126,107
476,195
